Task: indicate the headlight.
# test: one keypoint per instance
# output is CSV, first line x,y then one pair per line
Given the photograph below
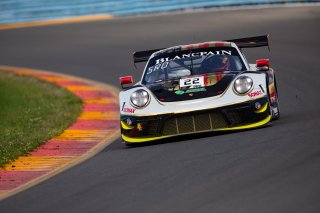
x,y
139,98
243,84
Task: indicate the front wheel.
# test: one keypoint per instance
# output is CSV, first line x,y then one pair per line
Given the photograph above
x,y
275,110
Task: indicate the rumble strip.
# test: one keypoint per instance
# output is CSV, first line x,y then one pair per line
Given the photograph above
x,y
95,128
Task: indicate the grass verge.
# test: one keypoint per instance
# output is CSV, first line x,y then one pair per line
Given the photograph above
x,y
31,112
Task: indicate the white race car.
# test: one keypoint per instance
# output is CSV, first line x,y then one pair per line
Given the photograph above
x,y
196,88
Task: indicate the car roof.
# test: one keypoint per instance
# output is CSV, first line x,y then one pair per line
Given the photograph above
x,y
195,46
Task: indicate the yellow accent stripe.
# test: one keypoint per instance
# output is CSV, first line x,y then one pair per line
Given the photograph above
x,y
266,120
138,140
57,21
125,126
264,108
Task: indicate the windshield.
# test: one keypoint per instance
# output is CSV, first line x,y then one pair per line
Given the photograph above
x,y
169,66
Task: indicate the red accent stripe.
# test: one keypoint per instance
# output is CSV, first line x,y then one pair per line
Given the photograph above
x,y
205,80
189,47
204,45
219,44
219,76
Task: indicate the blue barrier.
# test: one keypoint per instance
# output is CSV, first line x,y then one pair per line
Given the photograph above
x,y
14,11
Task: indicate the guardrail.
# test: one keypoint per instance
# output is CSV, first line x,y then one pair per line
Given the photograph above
x,y
14,11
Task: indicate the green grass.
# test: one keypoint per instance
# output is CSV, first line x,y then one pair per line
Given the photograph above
x,y
31,112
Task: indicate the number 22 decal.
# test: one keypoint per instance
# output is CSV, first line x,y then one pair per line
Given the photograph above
x,y
195,81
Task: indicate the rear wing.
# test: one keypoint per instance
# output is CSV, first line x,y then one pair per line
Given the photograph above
x,y
257,41
142,56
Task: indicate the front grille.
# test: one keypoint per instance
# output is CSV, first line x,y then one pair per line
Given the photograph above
x,y
197,121
233,116
185,124
151,127
218,121
170,127
202,122
194,123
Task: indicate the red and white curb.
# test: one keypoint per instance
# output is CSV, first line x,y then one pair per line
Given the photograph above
x,y
95,128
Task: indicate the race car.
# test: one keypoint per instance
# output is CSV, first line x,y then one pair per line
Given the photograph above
x,y
198,88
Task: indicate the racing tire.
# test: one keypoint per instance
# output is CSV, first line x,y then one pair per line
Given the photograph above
x,y
275,109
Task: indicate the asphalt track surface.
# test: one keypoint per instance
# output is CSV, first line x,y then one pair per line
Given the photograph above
x,y
272,169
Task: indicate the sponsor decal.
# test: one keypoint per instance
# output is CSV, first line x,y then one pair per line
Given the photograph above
x,y
219,52
163,63
180,92
158,66
202,89
254,94
129,110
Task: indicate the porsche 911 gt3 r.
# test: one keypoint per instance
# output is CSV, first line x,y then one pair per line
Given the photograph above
x,y
196,88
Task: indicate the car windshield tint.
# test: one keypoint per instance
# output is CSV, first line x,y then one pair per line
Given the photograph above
x,y
167,66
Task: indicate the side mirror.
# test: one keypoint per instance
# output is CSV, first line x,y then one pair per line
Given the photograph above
x,y
262,64
125,80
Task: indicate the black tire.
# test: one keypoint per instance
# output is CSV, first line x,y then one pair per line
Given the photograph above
x,y
276,105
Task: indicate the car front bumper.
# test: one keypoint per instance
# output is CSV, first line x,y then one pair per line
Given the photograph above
x,y
251,114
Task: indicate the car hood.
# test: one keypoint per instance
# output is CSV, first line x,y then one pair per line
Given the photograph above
x,y
170,90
